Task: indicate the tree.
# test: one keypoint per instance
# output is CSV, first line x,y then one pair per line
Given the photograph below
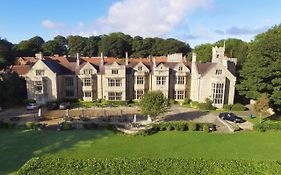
x,y
76,44
262,105
153,103
56,46
14,88
115,44
92,46
203,52
261,71
7,56
29,47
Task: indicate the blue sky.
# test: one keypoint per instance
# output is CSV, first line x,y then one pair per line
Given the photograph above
x,y
192,21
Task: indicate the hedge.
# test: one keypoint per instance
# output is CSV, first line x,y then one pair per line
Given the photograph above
x,y
164,166
268,125
183,126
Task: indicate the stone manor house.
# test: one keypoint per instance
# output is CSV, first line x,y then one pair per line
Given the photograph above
x,y
90,78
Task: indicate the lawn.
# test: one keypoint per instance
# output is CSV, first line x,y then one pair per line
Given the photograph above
x,y
18,146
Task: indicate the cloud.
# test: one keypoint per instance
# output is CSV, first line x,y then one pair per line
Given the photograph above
x,y
48,24
242,31
148,17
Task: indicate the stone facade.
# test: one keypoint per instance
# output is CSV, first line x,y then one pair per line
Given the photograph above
x,y
53,78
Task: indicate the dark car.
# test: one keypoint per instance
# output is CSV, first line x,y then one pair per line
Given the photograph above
x,y
64,105
52,106
231,117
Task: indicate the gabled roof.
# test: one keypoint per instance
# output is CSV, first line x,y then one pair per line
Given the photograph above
x,y
20,69
57,68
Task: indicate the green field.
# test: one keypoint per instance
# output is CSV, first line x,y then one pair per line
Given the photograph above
x,y
18,146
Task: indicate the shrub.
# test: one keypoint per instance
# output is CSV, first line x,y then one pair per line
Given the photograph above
x,y
267,126
66,126
206,127
192,126
194,104
227,107
170,127
29,125
238,107
186,101
172,101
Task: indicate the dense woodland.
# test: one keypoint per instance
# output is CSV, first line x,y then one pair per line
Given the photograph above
x,y
258,70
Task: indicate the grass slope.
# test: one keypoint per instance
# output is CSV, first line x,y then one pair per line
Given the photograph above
x,y
18,146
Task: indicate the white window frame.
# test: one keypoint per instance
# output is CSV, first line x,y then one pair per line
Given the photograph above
x,y
218,71
88,71
114,96
87,94
140,80
179,95
87,82
114,71
218,93
139,68
139,94
160,80
40,72
180,80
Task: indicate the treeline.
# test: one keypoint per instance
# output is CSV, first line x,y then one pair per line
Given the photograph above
x,y
258,70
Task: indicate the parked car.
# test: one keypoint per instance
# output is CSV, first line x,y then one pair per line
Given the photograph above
x,y
231,117
52,105
32,106
64,105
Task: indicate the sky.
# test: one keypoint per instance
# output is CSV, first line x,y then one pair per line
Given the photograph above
x,y
192,21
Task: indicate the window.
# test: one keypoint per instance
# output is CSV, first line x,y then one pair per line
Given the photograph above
x,y
88,71
160,80
217,93
140,80
87,82
180,80
69,81
114,71
38,86
179,95
69,93
218,72
114,96
87,94
180,68
138,94
40,72
139,68
114,82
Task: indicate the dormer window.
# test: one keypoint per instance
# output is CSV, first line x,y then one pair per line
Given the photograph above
x,y
40,72
139,68
180,68
114,71
218,72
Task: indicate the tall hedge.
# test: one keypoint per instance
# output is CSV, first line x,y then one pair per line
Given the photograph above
x,y
165,166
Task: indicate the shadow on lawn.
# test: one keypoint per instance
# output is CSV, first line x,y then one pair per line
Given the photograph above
x,y
18,146
185,116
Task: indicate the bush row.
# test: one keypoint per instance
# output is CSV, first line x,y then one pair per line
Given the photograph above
x,y
178,126
100,126
267,126
164,166
184,126
234,107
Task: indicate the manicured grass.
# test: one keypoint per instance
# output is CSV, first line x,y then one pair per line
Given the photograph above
x,y
18,146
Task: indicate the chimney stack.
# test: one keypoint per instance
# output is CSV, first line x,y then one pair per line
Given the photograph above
x,y
101,59
154,61
77,60
193,57
127,61
39,56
